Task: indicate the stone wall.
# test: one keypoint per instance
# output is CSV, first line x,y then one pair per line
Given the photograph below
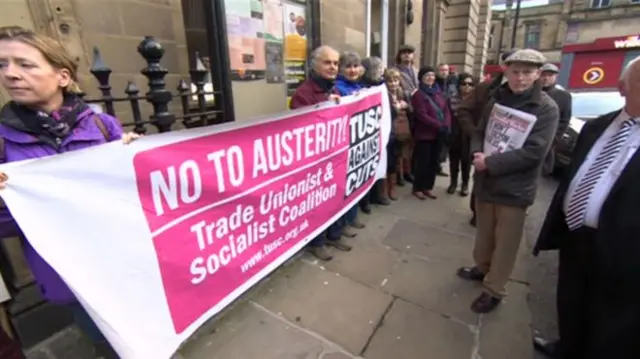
x,y
433,31
413,33
460,34
343,24
483,38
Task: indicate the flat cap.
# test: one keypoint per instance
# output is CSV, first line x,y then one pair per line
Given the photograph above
x,y
549,67
406,48
506,54
527,56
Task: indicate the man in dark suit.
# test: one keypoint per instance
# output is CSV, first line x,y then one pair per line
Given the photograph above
x,y
594,220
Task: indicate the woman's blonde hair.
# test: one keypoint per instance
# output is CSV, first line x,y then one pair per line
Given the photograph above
x,y
52,50
391,74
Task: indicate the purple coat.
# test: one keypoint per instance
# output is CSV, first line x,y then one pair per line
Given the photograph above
x,y
427,125
18,146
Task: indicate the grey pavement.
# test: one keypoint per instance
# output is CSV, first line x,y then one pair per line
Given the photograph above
x,y
395,295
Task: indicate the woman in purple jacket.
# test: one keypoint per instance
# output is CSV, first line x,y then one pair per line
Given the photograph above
x,y
432,123
44,118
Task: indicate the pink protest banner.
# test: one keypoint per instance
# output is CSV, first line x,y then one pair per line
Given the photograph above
x,y
223,207
189,220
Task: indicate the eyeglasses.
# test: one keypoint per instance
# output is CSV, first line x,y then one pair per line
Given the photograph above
x,y
467,84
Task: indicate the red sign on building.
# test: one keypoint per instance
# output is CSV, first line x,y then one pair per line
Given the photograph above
x,y
597,65
596,69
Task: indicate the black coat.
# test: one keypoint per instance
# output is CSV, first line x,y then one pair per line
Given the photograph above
x,y
615,261
563,99
564,102
619,223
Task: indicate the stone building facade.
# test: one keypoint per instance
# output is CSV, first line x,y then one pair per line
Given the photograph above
x,y
548,28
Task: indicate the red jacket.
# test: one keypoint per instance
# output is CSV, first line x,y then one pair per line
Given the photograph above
x,y
309,93
427,125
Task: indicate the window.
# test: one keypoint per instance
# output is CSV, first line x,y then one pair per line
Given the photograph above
x,y
532,36
490,44
596,4
635,1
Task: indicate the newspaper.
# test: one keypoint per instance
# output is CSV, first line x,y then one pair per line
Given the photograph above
x,y
507,129
4,292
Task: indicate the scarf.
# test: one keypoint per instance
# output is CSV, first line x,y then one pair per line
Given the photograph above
x,y
346,87
367,82
57,124
429,90
506,97
326,84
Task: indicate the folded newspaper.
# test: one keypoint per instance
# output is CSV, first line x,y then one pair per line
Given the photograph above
x,y
507,129
4,292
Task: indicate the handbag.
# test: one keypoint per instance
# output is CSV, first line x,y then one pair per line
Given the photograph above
x,y
401,126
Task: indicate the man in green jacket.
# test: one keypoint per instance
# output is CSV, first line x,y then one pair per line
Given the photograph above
x,y
506,181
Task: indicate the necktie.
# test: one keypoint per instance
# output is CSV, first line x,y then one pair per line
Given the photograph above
x,y
579,201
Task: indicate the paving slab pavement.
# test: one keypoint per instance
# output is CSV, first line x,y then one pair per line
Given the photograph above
x,y
395,295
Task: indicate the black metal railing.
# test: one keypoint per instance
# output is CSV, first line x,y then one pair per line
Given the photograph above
x,y
195,109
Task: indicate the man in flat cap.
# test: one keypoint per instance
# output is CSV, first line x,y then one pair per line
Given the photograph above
x,y
409,82
562,98
405,64
505,183
470,109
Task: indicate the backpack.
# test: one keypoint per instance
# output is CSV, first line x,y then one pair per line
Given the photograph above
x,y
96,119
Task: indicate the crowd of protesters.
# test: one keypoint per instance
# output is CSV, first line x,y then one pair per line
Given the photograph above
x,y
425,131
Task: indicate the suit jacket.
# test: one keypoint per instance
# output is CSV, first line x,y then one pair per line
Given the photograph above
x,y
618,236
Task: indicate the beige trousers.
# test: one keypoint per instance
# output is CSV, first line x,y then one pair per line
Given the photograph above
x,y
499,232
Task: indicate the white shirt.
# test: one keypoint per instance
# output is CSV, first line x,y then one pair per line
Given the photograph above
x,y
606,182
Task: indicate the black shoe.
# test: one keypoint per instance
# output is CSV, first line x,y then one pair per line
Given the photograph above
x,y
485,303
471,273
472,222
464,190
408,177
451,189
366,208
383,201
400,181
546,347
443,174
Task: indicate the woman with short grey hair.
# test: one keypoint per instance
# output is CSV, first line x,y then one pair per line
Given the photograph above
x,y
348,83
373,76
373,71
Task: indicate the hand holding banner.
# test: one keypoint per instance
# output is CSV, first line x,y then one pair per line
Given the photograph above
x,y
156,237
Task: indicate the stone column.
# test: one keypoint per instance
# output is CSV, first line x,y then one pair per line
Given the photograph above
x,y
413,34
433,28
460,34
484,34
